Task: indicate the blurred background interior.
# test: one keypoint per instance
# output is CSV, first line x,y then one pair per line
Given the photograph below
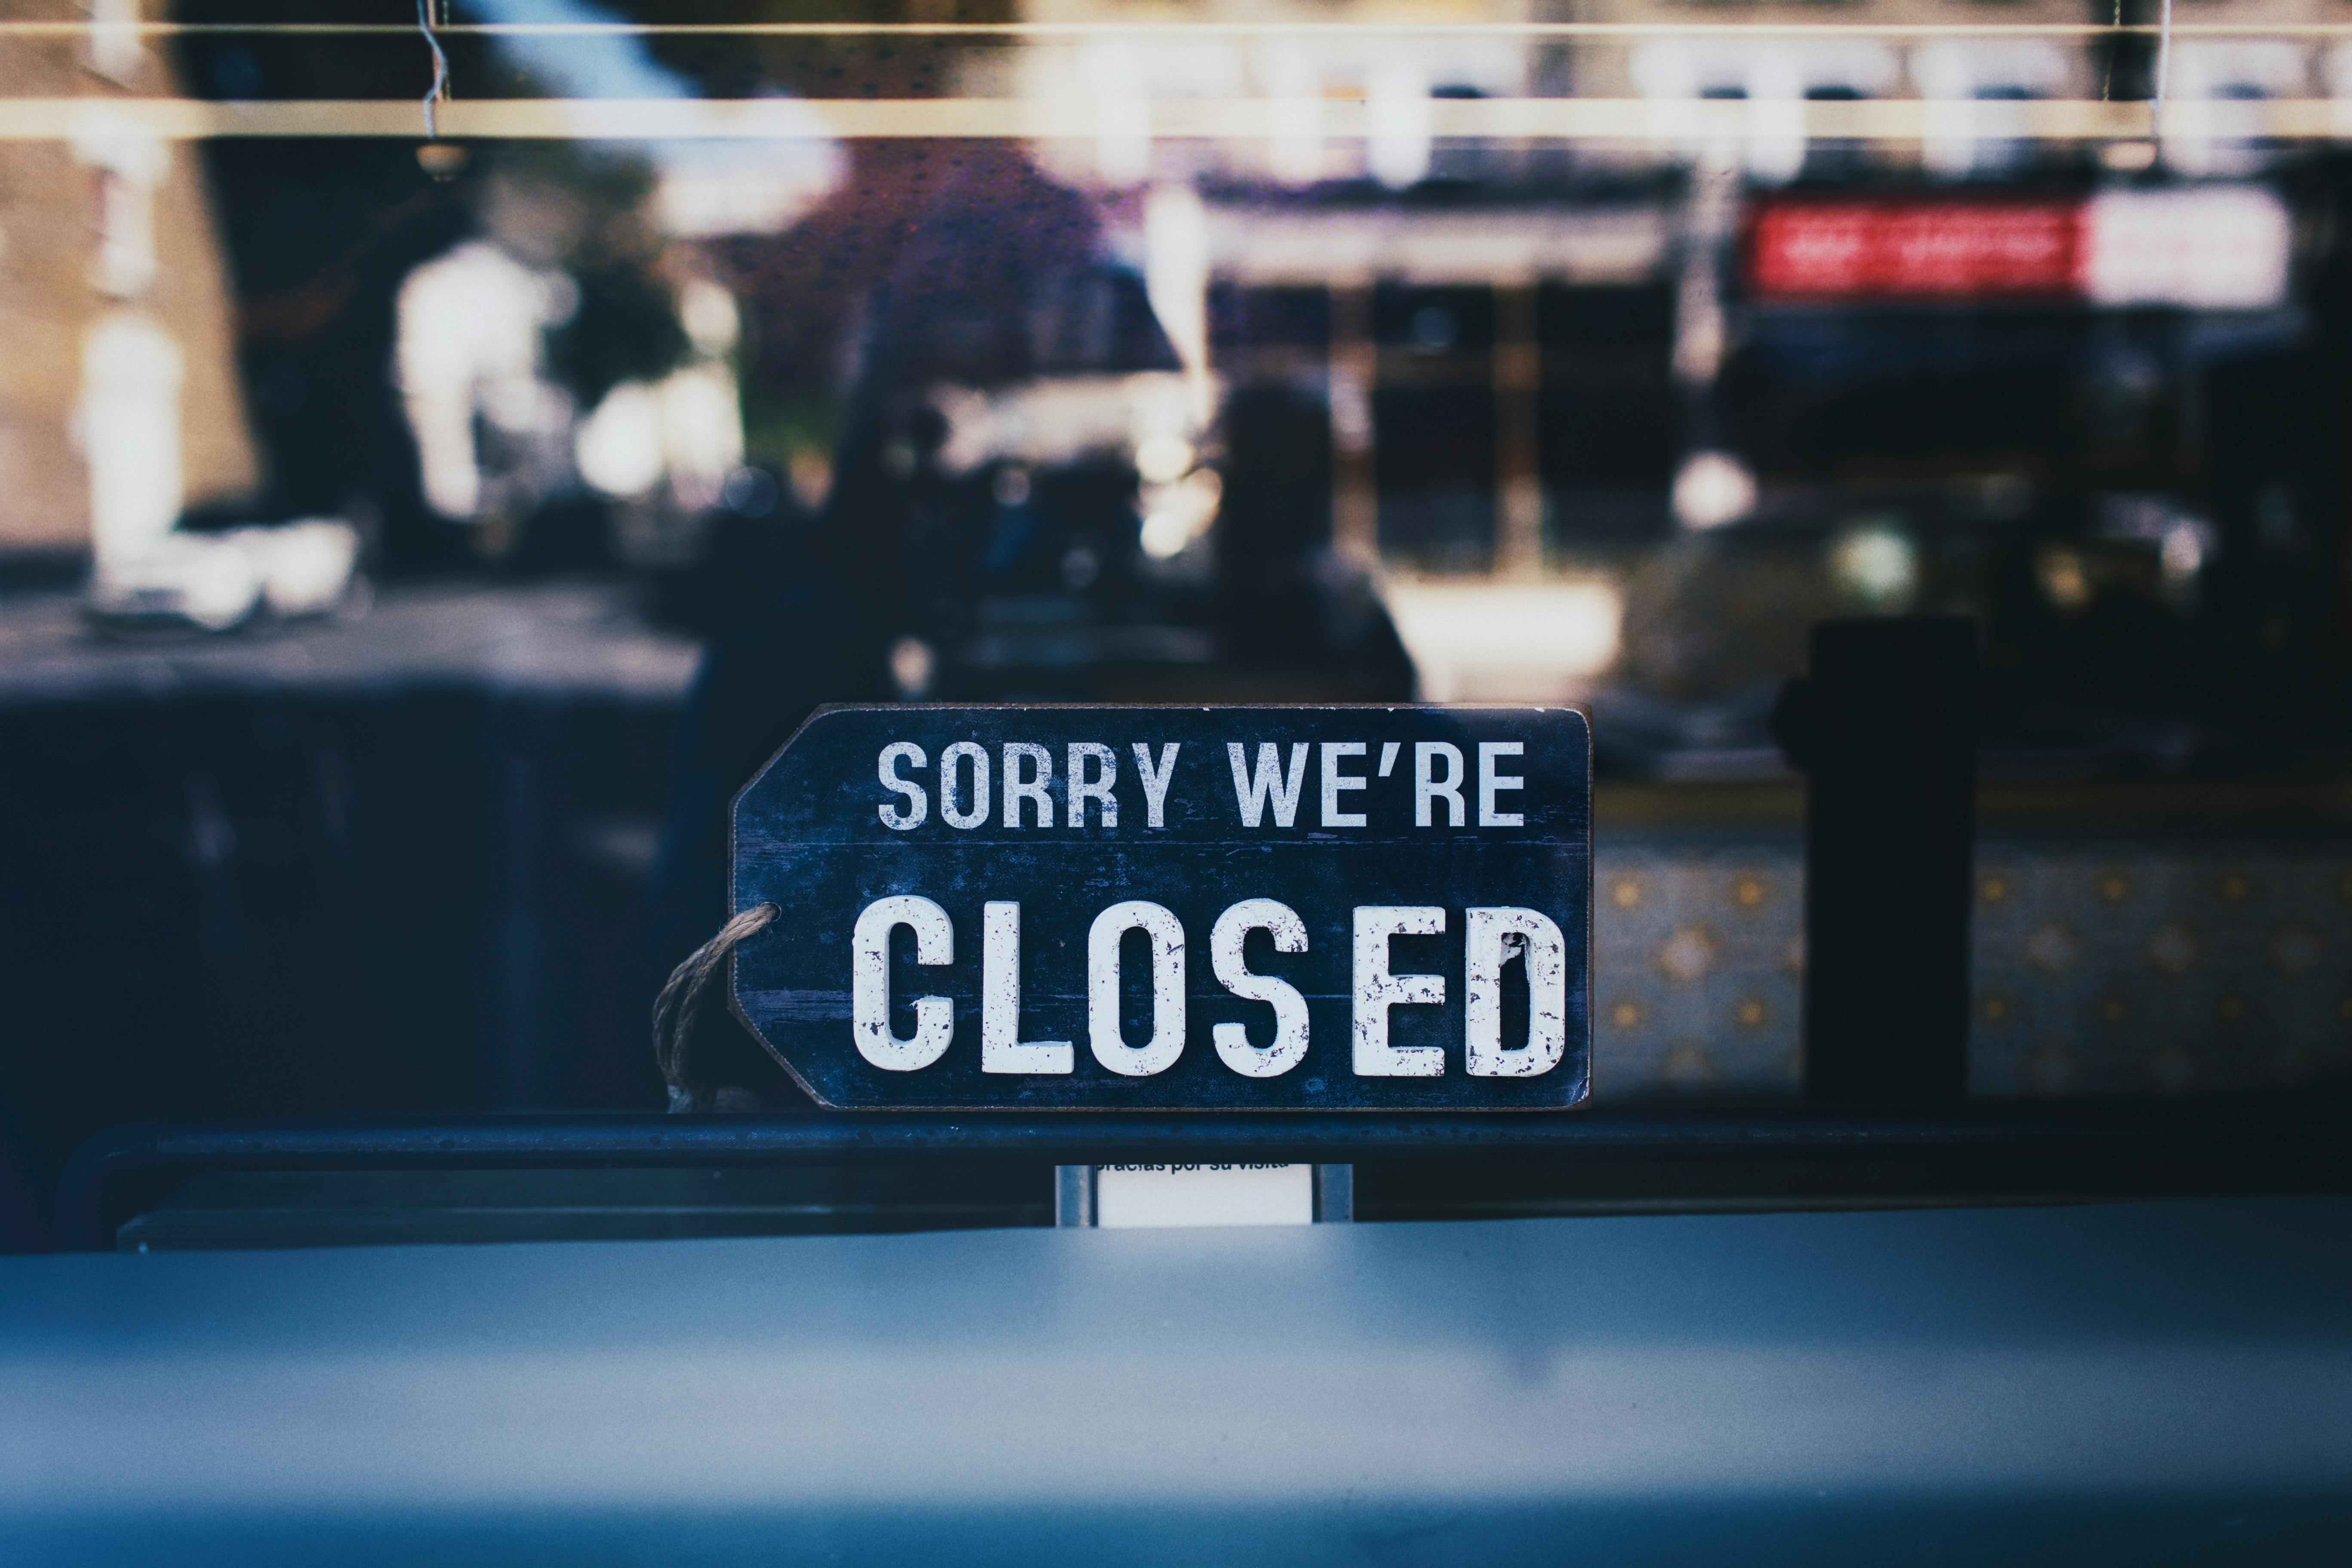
x,y
408,543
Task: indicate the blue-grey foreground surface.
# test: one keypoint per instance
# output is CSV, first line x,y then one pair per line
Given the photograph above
x,y
2163,1382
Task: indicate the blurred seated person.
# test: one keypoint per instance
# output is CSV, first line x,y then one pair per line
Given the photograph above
x,y
1303,616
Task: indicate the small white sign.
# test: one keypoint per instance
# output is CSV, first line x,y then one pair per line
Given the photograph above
x,y
1135,1196
2212,248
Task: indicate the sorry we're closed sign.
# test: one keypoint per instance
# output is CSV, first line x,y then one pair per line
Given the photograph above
x,y
1075,907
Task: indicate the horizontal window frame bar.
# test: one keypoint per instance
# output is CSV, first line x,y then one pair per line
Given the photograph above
x,y
1075,117
1016,30
2297,1144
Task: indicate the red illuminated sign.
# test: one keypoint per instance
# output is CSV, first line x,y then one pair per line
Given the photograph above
x,y
1802,248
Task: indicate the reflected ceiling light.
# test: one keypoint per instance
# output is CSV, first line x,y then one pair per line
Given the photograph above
x,y
1163,460
1508,642
1400,128
1877,565
1713,488
619,447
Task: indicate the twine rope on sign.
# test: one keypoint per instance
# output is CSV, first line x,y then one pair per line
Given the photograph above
x,y
680,1002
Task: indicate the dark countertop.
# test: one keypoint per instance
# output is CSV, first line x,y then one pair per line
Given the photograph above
x,y
544,638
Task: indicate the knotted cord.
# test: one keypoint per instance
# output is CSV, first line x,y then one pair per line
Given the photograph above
x,y
680,1002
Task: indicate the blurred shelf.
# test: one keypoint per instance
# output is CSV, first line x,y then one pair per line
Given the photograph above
x,y
542,638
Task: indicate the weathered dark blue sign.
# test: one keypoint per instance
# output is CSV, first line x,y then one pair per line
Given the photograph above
x,y
1155,908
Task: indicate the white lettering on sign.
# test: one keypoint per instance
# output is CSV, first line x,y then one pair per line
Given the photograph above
x,y
1156,782
1288,1046
1334,781
869,970
1253,790
1489,782
956,817
1000,1047
1377,990
1018,789
1023,772
918,804
1167,1043
1082,791
1427,786
1493,937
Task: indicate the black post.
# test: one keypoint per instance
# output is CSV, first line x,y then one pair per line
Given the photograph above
x,y
1885,731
